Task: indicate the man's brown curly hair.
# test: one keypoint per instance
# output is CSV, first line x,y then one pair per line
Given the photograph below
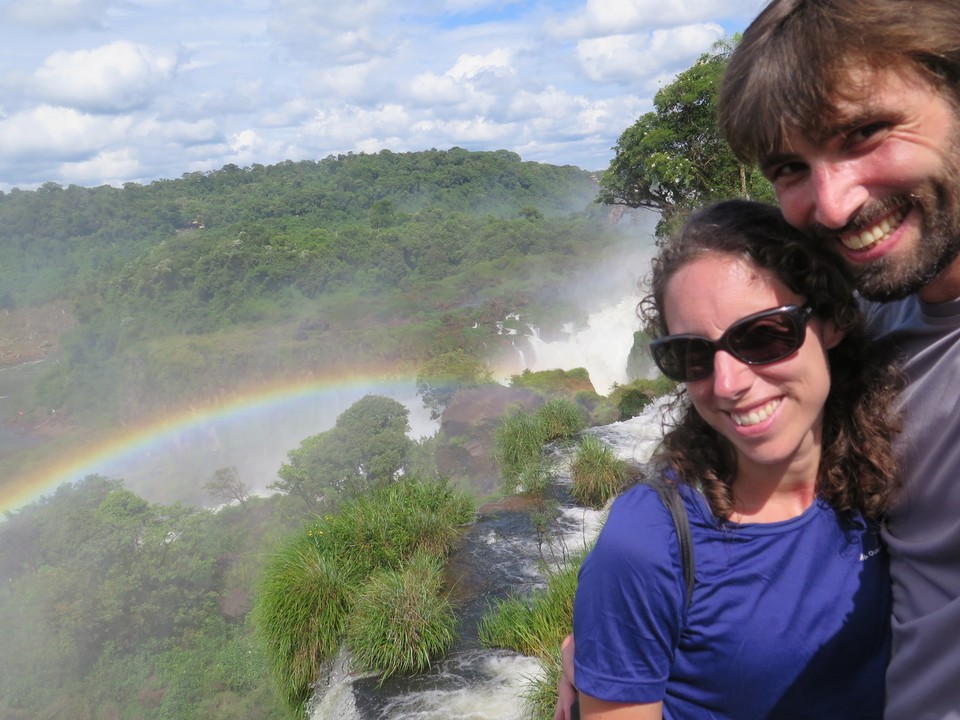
x,y
858,469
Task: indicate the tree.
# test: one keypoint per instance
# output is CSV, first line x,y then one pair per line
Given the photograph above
x,y
441,378
367,447
675,158
226,485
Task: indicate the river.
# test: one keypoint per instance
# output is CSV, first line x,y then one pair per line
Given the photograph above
x,y
500,556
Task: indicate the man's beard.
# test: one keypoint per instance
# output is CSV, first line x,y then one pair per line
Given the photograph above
x,y
890,278
938,201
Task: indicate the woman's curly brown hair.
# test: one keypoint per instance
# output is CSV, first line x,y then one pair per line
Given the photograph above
x,y
858,469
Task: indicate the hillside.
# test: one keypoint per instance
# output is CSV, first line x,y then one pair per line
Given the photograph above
x,y
184,292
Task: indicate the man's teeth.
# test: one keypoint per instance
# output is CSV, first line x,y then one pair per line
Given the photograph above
x,y
756,416
868,236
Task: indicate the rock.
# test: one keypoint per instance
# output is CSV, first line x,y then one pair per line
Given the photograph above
x,y
465,442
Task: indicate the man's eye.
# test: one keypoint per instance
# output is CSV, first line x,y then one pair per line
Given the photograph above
x,y
783,170
866,132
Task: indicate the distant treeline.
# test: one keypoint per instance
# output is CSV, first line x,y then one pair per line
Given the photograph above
x,y
59,239
183,288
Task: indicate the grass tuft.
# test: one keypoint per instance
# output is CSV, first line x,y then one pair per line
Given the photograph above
x,y
373,572
401,621
597,473
535,627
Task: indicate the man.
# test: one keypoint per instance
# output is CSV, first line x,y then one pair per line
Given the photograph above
x,y
852,110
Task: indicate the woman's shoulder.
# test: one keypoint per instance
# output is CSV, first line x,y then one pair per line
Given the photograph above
x,y
641,527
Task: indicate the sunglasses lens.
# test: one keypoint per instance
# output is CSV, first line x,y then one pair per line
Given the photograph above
x,y
684,359
766,339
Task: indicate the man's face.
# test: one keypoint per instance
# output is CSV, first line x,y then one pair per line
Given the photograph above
x,y
883,188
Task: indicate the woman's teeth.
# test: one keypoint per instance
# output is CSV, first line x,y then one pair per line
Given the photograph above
x,y
756,416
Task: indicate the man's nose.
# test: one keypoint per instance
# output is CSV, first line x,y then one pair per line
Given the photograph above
x,y
837,194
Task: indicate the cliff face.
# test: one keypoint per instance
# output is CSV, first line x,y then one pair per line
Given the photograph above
x,y
465,443
32,333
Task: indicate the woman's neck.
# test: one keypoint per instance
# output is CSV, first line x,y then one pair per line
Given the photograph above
x,y
760,496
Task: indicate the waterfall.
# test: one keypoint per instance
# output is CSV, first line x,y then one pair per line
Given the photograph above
x,y
499,556
602,346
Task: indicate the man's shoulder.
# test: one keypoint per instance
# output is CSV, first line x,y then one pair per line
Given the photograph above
x,y
884,317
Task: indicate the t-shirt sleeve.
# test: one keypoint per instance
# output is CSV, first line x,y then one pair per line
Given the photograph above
x,y
629,605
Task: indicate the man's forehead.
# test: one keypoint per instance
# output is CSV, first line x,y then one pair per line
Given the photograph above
x,y
859,98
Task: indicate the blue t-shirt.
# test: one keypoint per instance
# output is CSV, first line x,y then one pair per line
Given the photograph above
x,y
787,620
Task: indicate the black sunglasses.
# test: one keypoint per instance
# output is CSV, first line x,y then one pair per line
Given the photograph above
x,y
757,339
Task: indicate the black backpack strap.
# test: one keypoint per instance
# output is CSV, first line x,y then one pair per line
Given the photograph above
x,y
671,498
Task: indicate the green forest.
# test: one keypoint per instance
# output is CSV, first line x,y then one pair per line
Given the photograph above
x,y
181,291
113,606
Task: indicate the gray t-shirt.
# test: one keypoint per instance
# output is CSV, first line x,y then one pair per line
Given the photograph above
x,y
923,533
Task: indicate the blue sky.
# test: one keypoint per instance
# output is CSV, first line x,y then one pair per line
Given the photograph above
x,y
99,92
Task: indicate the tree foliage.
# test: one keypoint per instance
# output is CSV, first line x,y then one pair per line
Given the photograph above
x,y
226,486
444,375
183,290
675,159
107,601
367,447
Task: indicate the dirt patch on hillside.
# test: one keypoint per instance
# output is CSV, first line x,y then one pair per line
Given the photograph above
x,y
33,333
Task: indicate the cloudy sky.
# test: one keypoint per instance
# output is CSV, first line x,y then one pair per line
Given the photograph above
x,y
114,91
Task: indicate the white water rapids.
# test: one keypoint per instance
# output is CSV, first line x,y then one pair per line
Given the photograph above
x,y
473,683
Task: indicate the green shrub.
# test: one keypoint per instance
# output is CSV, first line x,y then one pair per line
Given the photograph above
x,y
299,614
633,397
597,473
331,580
518,442
401,621
560,419
550,383
536,625
385,527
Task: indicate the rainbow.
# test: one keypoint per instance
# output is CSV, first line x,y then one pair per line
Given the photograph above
x,y
321,400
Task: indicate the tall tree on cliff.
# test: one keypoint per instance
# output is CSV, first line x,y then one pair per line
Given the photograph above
x,y
675,159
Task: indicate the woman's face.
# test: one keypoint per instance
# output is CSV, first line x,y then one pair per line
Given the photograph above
x,y
771,413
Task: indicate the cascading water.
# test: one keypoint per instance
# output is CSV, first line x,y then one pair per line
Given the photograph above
x,y
602,347
498,557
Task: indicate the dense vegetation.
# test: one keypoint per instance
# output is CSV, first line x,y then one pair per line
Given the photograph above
x,y
369,577
181,290
674,159
114,607
187,288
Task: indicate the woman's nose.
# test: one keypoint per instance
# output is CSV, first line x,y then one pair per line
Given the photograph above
x,y
731,377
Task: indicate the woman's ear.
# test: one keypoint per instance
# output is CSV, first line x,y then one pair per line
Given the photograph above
x,y
831,334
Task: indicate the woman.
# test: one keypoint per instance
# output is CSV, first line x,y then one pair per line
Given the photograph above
x,y
782,456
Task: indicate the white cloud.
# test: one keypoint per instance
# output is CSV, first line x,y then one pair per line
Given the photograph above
x,y
497,62
472,5
632,58
113,78
110,167
367,82
547,105
163,87
351,124
180,132
334,31
611,17
287,114
432,89
50,132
